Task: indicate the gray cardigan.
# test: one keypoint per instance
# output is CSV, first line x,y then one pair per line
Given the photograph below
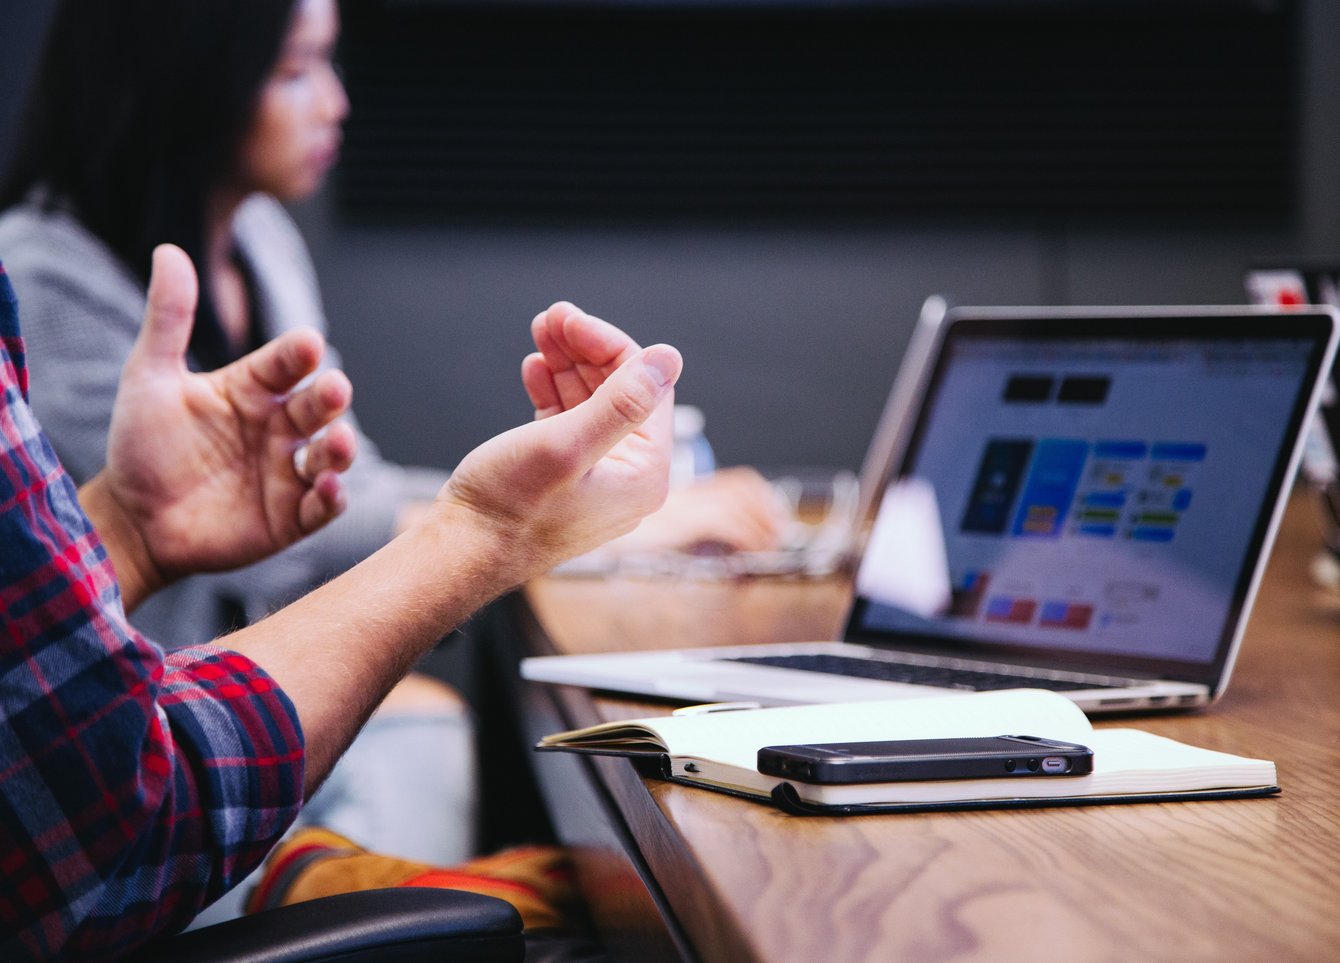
x,y
81,309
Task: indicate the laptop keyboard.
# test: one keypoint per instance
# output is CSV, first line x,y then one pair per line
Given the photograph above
x,y
942,676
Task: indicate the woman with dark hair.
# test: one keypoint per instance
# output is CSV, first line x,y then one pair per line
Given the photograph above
x,y
139,114
156,121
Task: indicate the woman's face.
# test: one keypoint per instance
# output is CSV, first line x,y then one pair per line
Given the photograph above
x,y
295,134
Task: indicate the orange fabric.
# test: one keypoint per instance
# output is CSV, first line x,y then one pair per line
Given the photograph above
x,y
315,862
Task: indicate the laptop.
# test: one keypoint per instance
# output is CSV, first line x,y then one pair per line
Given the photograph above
x,y
1105,485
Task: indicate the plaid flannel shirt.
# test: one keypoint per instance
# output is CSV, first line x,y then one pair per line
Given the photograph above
x,y
135,787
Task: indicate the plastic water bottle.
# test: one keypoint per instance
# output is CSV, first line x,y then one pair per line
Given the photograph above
x,y
692,456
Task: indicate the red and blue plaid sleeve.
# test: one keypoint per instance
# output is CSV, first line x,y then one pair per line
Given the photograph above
x,y
134,788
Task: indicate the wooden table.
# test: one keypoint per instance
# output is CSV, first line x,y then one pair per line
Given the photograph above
x,y
674,872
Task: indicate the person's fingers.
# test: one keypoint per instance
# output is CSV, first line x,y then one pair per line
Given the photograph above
x,y
538,380
739,536
765,520
322,502
573,376
580,349
625,402
756,498
276,367
170,312
722,517
596,341
546,340
319,403
764,531
332,451
750,485
748,530
570,388
741,475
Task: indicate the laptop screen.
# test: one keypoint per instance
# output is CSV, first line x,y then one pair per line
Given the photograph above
x,y
1104,486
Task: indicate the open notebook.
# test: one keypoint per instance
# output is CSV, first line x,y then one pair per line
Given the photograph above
x,y
1101,488
719,750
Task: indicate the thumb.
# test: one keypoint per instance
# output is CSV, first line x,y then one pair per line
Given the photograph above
x,y
624,402
173,294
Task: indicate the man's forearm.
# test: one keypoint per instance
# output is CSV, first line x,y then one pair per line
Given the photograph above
x,y
337,651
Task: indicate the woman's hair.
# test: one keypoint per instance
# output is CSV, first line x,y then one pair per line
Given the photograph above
x,y
137,115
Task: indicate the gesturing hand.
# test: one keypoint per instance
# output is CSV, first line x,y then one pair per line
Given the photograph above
x,y
201,472
595,460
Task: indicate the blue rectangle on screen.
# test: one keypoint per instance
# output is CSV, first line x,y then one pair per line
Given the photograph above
x,y
1054,475
1054,611
1098,531
1167,451
1105,500
1148,534
1128,450
1182,500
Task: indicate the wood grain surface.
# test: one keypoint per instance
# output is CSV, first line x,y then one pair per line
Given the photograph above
x,y
1228,880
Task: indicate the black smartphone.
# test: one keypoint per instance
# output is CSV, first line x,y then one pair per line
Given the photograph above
x,y
910,760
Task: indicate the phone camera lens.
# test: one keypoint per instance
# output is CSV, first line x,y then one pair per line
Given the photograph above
x,y
1010,765
1034,765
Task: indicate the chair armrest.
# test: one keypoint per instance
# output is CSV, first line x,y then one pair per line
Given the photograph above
x,y
401,925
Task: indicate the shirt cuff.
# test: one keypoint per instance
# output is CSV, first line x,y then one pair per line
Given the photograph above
x,y
245,740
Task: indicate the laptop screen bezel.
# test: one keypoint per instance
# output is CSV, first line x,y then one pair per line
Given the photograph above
x,y
1208,325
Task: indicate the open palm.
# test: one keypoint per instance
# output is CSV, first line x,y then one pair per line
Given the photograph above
x,y
203,463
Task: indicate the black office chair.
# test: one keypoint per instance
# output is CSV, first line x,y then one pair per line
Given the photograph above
x,y
401,925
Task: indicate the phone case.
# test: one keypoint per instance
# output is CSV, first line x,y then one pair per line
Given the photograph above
x,y
914,760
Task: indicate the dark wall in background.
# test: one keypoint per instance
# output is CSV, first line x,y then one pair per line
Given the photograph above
x,y
810,112
791,330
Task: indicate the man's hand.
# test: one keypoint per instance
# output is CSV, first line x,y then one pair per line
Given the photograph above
x,y
735,509
201,471
595,460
